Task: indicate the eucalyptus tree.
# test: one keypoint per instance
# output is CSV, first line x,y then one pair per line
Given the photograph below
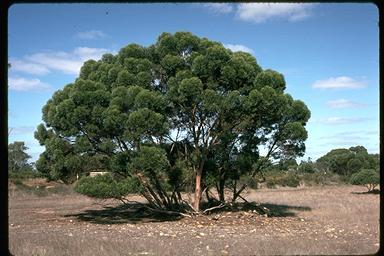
x,y
182,105
17,157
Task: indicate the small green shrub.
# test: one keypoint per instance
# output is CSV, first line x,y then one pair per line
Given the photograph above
x,y
306,167
367,177
317,178
284,179
105,186
290,180
271,183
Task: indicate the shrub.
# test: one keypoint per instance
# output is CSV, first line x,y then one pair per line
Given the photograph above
x,y
105,186
367,177
307,167
271,183
290,180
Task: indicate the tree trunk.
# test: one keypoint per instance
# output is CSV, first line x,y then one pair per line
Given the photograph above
x,y
196,204
234,191
221,189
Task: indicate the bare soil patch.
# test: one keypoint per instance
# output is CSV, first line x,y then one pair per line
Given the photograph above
x,y
310,221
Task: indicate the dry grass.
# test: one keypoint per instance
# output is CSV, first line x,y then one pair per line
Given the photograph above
x,y
315,220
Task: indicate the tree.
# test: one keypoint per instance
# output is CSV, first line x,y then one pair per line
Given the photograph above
x,y
17,157
307,166
182,105
367,177
347,161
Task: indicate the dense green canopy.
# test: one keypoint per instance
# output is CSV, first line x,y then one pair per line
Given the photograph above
x,y
157,114
367,177
346,162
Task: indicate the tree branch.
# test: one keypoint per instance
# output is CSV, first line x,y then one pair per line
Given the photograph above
x,y
215,207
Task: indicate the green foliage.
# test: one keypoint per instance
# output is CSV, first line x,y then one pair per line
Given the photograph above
x,y
270,78
18,158
105,186
307,167
287,164
290,180
285,179
367,177
271,183
347,161
321,178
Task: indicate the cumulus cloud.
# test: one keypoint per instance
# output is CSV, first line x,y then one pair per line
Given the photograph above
x,y
238,47
219,7
90,34
343,103
341,82
66,62
262,12
28,67
23,84
339,120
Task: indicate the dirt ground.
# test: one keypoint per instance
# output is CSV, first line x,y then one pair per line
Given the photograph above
x,y
306,221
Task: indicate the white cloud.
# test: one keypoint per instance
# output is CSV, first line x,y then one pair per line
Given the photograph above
x,y
90,34
67,62
262,12
238,47
342,82
343,103
24,84
339,120
60,61
345,137
86,53
219,7
28,67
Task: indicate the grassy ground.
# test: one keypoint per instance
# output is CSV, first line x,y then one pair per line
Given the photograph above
x,y
314,220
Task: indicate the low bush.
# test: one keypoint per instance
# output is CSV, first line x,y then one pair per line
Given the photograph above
x,y
367,177
317,178
105,186
290,180
285,179
271,183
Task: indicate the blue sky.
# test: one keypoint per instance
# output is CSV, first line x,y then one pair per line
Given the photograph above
x,y
328,53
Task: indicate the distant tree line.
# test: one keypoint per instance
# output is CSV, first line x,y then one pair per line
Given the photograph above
x,y
353,165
